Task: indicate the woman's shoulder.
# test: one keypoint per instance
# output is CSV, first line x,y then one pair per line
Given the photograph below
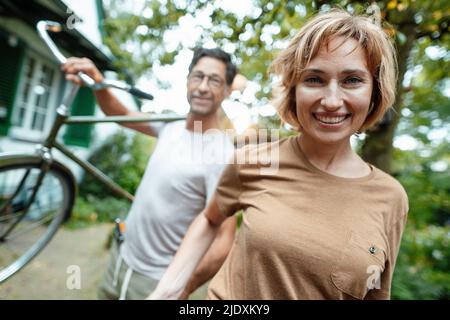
x,y
263,153
388,181
392,189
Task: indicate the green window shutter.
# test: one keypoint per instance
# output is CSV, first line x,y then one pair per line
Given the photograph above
x,y
11,60
100,16
83,105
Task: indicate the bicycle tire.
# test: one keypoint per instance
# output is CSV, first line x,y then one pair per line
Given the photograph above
x,y
10,260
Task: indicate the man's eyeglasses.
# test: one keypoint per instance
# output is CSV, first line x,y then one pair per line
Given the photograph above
x,y
213,81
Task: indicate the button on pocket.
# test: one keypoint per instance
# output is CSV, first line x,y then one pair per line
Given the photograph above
x,y
356,263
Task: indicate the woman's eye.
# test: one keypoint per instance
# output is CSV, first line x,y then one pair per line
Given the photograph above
x,y
353,80
313,80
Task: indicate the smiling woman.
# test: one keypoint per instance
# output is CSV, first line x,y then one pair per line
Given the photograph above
x,y
325,224
334,92
362,51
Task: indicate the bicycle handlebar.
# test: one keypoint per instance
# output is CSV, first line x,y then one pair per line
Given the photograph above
x,y
44,26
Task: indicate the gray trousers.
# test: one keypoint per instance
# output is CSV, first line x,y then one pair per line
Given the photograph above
x,y
120,282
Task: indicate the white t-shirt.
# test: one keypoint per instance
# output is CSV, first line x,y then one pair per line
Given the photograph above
x,y
179,180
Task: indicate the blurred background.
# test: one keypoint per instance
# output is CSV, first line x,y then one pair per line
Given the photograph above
x,y
150,43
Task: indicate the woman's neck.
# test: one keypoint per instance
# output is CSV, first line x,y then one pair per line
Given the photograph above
x,y
337,159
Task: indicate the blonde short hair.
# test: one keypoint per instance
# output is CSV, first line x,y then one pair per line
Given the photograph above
x,y
379,50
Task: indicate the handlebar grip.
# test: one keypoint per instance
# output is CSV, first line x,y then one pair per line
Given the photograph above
x,y
140,94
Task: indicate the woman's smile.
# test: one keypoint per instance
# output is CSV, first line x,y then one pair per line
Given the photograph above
x,y
334,92
331,120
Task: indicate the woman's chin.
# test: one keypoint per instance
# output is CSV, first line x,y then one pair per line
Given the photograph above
x,y
329,138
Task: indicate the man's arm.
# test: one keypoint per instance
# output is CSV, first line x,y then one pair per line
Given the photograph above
x,y
214,257
111,106
109,103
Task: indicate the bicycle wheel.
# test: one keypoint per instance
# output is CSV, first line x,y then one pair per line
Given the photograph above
x,y
30,212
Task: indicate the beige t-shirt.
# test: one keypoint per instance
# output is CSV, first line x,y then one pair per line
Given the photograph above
x,y
307,234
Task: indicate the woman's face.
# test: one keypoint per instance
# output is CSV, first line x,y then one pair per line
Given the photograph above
x,y
334,92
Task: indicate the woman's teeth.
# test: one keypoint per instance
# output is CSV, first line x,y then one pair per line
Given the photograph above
x,y
330,120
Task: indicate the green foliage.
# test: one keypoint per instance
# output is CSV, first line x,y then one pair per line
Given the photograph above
x,y
423,264
428,190
91,210
422,269
137,41
426,107
123,157
261,35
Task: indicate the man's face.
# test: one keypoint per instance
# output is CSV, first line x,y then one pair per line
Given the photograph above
x,y
206,86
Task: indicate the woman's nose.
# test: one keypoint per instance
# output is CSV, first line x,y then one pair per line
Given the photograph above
x,y
333,98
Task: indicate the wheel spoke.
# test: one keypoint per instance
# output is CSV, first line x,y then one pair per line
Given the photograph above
x,y
29,227
6,217
33,204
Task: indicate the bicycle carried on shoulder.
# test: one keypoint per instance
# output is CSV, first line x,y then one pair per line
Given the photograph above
x,y
37,192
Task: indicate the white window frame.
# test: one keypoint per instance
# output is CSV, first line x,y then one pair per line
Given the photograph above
x,y
25,132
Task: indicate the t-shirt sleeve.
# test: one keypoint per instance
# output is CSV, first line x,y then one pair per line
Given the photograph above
x,y
212,177
394,239
228,190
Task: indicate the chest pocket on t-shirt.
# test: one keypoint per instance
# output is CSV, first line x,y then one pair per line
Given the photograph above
x,y
359,267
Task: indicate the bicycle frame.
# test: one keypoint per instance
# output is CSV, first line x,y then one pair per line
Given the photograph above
x,y
63,115
45,163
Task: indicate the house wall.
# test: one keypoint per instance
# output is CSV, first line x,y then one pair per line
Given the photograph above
x,y
18,30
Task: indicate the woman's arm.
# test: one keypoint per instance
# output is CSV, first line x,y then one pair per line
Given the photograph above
x,y
214,257
195,244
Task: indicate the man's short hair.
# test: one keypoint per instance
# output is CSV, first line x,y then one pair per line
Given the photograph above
x,y
218,54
